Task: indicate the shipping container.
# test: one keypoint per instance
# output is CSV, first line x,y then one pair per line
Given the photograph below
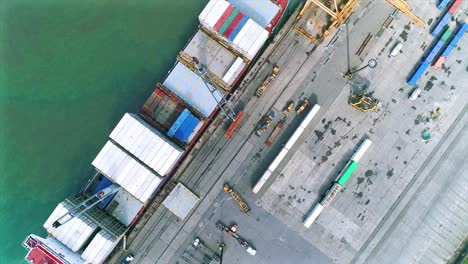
x,y
344,177
276,162
443,4
262,181
229,20
454,6
238,28
215,14
361,150
234,71
310,116
442,23
439,62
314,214
418,73
99,248
223,18
207,9
295,136
446,34
233,25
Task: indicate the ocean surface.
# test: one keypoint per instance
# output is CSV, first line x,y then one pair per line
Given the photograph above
x,y
68,71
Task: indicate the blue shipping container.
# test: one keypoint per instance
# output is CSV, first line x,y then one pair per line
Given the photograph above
x,y
442,23
434,51
418,73
447,50
443,4
184,132
104,183
180,120
238,28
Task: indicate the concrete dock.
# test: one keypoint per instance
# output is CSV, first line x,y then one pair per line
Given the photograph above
x,y
406,202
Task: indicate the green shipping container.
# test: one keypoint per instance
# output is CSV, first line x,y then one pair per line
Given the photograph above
x,y
347,173
446,34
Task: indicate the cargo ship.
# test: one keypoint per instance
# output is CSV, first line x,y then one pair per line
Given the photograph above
x,y
145,149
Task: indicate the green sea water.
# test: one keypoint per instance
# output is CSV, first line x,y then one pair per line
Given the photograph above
x,y
68,71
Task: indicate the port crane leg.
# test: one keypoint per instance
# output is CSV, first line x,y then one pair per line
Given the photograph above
x,y
87,204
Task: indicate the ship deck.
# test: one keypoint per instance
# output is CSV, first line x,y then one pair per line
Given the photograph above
x,y
210,53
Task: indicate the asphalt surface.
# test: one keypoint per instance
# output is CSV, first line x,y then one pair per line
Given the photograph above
x,y
360,223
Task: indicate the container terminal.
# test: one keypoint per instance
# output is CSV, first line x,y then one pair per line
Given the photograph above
x,y
340,139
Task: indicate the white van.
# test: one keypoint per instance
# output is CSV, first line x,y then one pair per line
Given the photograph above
x,y
396,49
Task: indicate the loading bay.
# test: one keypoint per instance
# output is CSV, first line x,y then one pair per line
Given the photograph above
x,y
406,202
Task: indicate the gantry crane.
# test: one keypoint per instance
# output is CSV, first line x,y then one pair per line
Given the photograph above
x,y
86,205
339,16
212,82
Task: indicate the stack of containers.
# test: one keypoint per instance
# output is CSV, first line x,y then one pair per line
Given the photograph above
x,y
146,143
453,43
73,233
443,4
184,126
123,169
233,26
442,23
446,18
430,57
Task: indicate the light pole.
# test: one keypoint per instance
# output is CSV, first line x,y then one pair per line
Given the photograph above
x,y
372,63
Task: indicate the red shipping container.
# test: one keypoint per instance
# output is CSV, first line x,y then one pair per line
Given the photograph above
x,y
223,17
454,6
438,63
233,25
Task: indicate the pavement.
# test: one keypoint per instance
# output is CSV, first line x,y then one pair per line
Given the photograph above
x,y
399,179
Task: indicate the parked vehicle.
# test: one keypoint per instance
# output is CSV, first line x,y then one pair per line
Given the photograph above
x,y
396,49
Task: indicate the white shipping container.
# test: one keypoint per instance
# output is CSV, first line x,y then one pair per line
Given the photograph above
x,y
99,247
313,215
310,116
295,136
278,159
231,73
243,31
151,188
257,44
361,150
250,37
119,126
216,13
172,159
161,156
262,181
206,10
195,131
